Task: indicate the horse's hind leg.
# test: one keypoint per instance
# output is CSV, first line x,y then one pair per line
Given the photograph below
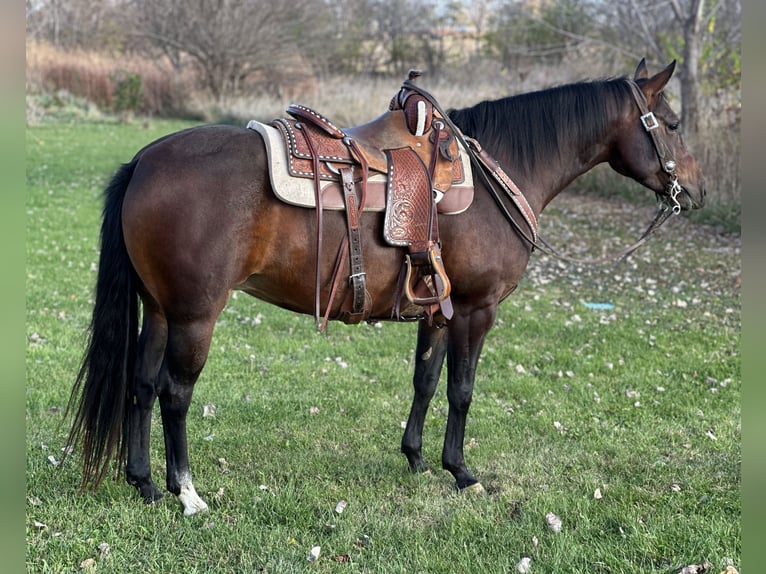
x,y
185,355
429,358
151,348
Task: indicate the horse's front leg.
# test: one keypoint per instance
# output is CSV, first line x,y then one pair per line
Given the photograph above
x,y
429,358
467,331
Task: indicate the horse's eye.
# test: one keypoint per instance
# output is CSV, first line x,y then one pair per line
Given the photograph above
x,y
674,126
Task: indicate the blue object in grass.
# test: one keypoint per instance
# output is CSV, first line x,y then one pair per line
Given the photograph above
x,y
599,306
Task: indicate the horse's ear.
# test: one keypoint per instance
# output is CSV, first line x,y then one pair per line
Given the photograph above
x,y
641,72
657,83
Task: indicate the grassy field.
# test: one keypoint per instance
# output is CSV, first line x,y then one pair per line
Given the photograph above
x,y
623,422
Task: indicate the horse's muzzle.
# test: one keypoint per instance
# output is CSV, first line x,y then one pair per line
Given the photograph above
x,y
693,197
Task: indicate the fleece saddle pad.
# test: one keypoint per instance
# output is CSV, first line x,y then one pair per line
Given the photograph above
x,y
300,191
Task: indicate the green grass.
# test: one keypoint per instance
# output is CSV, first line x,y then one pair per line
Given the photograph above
x,y
641,402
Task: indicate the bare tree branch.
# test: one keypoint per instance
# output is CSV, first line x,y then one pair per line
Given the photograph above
x,y
228,40
647,35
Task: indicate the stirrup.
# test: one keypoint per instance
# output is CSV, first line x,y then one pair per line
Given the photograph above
x,y
434,257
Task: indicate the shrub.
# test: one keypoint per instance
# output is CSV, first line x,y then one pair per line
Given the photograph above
x,y
127,93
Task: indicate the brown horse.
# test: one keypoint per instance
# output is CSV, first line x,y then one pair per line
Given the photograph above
x,y
193,217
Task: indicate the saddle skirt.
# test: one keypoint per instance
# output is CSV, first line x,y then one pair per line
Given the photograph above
x,y
292,178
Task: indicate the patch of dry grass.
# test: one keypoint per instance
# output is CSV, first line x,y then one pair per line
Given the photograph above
x,y
94,77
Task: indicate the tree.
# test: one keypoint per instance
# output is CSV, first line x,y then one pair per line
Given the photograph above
x,y
692,22
227,40
703,35
346,43
539,32
69,24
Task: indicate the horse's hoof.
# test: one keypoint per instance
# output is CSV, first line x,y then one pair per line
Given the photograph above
x,y
475,489
148,492
153,498
191,502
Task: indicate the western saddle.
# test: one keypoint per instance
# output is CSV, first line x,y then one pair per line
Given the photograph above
x,y
412,145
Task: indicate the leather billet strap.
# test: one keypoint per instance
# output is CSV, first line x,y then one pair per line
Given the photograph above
x,y
357,279
318,199
351,244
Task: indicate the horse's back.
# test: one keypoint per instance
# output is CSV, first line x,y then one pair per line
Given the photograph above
x,y
193,148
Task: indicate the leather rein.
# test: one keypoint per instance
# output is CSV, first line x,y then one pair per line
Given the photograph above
x,y
668,204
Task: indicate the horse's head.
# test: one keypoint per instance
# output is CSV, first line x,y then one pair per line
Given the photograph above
x,y
649,147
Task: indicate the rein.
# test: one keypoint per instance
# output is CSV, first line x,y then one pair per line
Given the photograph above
x,y
664,211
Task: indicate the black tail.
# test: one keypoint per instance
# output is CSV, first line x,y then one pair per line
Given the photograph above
x,y
102,390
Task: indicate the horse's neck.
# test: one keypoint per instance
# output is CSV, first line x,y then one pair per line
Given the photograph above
x,y
551,168
541,184
563,178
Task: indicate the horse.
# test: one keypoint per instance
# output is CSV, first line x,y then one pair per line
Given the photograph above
x,y
193,217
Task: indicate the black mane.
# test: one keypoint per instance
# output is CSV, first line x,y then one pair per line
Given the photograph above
x,y
530,127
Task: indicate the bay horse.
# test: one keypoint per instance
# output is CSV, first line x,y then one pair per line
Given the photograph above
x,y
193,217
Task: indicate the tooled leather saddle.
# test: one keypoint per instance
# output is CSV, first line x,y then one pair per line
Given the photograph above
x,y
407,159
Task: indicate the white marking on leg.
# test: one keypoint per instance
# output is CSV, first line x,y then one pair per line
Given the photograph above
x,y
190,500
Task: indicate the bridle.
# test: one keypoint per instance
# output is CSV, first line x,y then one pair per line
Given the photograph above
x,y
668,203
668,164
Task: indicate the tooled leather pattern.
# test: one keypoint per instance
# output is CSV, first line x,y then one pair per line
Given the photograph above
x,y
408,209
334,150
299,156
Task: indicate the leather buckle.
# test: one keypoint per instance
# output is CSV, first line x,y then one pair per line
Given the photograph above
x,y
650,121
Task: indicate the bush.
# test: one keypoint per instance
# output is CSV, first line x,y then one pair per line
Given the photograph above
x,y
60,106
127,93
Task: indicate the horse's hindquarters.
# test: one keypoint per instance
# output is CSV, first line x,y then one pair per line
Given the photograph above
x,y
189,213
